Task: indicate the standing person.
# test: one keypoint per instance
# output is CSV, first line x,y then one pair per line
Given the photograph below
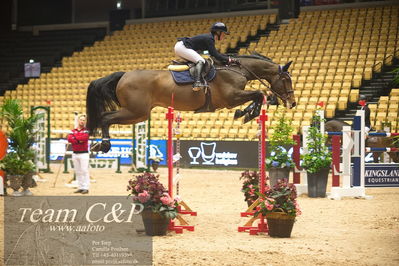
x,y
363,103
188,48
79,138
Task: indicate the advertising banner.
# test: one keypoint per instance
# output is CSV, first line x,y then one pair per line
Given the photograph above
x,y
124,146
381,175
219,153
239,154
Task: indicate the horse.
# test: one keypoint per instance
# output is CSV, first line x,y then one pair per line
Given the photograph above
x,y
371,141
128,97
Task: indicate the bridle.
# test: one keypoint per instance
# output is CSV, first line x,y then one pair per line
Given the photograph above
x,y
268,86
259,79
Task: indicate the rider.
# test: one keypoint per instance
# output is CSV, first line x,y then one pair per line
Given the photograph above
x,y
363,103
187,48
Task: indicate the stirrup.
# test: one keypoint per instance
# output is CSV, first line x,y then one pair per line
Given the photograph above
x,y
197,86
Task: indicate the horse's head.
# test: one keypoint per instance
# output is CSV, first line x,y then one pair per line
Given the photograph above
x,y
281,85
262,67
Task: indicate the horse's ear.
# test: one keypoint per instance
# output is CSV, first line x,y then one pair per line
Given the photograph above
x,y
285,68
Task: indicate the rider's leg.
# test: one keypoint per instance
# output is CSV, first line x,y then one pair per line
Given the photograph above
x,y
198,80
193,56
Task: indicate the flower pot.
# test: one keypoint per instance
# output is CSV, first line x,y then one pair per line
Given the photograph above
x,y
155,224
317,183
280,224
15,181
278,173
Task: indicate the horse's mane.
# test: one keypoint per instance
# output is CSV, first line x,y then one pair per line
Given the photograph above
x,y
256,55
253,55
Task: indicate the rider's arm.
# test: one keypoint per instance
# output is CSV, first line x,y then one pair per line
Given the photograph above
x,y
213,52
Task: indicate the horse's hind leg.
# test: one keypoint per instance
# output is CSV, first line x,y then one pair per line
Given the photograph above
x,y
394,156
376,157
122,116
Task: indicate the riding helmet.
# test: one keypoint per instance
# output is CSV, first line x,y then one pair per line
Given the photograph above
x,y
362,97
219,26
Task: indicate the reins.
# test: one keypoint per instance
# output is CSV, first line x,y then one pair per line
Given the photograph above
x,y
263,83
257,77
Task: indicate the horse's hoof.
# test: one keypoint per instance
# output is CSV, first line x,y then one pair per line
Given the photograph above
x,y
247,118
105,146
238,113
96,147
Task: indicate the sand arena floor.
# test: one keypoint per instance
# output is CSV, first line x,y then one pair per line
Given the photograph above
x,y
345,232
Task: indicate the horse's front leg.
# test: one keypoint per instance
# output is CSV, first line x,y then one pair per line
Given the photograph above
x,y
241,97
240,113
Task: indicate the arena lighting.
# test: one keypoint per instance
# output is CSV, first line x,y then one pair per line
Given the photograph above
x,y
118,4
31,61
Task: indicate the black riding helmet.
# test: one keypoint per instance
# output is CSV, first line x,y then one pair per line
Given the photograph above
x,y
219,26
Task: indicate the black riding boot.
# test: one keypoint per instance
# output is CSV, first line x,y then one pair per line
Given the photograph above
x,y
198,84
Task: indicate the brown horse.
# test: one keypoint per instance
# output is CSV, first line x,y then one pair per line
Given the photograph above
x,y
127,98
371,141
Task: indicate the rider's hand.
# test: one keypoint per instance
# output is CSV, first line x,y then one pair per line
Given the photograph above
x,y
233,61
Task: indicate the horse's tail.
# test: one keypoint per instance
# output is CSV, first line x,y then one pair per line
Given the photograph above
x,y
101,97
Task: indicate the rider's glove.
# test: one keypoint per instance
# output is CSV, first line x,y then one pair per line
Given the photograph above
x,y
233,61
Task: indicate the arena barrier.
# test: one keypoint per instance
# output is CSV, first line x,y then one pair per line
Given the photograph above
x,y
96,163
171,159
262,225
140,153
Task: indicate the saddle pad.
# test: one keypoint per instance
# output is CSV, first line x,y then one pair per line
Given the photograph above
x,y
184,77
178,67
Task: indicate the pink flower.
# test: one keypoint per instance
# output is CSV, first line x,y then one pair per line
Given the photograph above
x,y
144,196
269,206
137,187
166,199
250,186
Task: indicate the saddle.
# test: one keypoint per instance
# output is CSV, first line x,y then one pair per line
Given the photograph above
x,y
182,71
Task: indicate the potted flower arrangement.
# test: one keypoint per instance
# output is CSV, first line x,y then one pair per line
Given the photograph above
x,y
316,161
18,162
159,207
279,206
250,186
279,163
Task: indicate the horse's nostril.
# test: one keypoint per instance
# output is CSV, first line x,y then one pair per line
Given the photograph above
x,y
293,104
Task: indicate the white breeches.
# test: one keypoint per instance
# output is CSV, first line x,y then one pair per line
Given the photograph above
x,y
81,165
186,53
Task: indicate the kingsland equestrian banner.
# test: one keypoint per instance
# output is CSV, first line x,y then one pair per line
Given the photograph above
x,y
381,175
